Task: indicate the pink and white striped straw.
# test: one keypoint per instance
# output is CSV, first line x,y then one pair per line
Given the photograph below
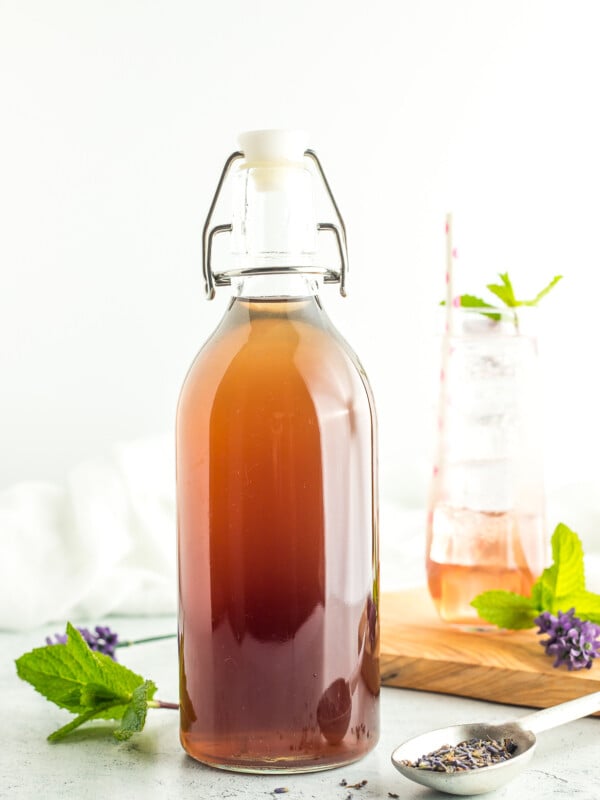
x,y
446,345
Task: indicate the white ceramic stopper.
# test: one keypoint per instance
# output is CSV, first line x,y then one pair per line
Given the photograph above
x,y
273,147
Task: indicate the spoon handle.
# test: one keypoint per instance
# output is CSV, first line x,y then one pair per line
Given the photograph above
x,y
565,712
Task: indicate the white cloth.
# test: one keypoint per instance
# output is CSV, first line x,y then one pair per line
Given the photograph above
x,y
105,542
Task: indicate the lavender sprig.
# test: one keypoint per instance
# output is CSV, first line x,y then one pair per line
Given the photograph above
x,y
571,641
103,640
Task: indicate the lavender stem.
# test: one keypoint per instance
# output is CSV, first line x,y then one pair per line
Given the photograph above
x,y
129,642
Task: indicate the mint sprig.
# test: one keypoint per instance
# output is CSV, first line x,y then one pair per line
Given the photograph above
x,y
559,588
89,684
504,292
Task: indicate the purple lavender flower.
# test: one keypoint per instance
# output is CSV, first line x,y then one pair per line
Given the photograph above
x,y
61,638
571,641
101,640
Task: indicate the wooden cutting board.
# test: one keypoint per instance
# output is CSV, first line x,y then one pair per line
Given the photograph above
x,y
418,651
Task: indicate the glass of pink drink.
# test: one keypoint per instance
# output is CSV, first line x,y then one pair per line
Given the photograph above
x,y
486,527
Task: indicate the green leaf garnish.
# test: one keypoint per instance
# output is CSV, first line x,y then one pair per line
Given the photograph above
x,y
134,718
470,301
560,587
89,684
504,292
587,605
565,578
543,293
505,609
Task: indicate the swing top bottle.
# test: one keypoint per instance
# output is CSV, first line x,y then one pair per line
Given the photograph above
x,y
276,491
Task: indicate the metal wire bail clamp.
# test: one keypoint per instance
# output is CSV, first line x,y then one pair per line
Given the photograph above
x,y
338,229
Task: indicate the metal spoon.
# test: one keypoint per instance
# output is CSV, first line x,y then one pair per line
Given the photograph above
x,y
485,779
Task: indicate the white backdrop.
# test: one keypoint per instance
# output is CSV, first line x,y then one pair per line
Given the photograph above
x,y
116,118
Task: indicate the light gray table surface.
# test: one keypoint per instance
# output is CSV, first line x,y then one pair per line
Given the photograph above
x,y
152,764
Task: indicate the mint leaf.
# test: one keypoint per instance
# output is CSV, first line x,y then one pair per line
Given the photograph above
x,y
86,683
504,291
541,595
55,736
543,293
134,717
586,605
93,695
505,609
67,674
556,587
470,301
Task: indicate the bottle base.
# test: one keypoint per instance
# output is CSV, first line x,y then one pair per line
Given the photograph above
x,y
280,765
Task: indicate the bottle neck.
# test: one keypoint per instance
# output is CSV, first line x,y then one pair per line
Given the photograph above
x,y
276,286
274,225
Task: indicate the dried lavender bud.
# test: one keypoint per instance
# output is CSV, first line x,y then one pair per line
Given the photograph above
x,y
61,638
571,641
470,754
102,640
281,790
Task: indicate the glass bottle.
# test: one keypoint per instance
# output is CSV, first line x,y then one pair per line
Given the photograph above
x,y
276,488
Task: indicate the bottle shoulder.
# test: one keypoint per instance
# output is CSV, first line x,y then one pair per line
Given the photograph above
x,y
274,349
